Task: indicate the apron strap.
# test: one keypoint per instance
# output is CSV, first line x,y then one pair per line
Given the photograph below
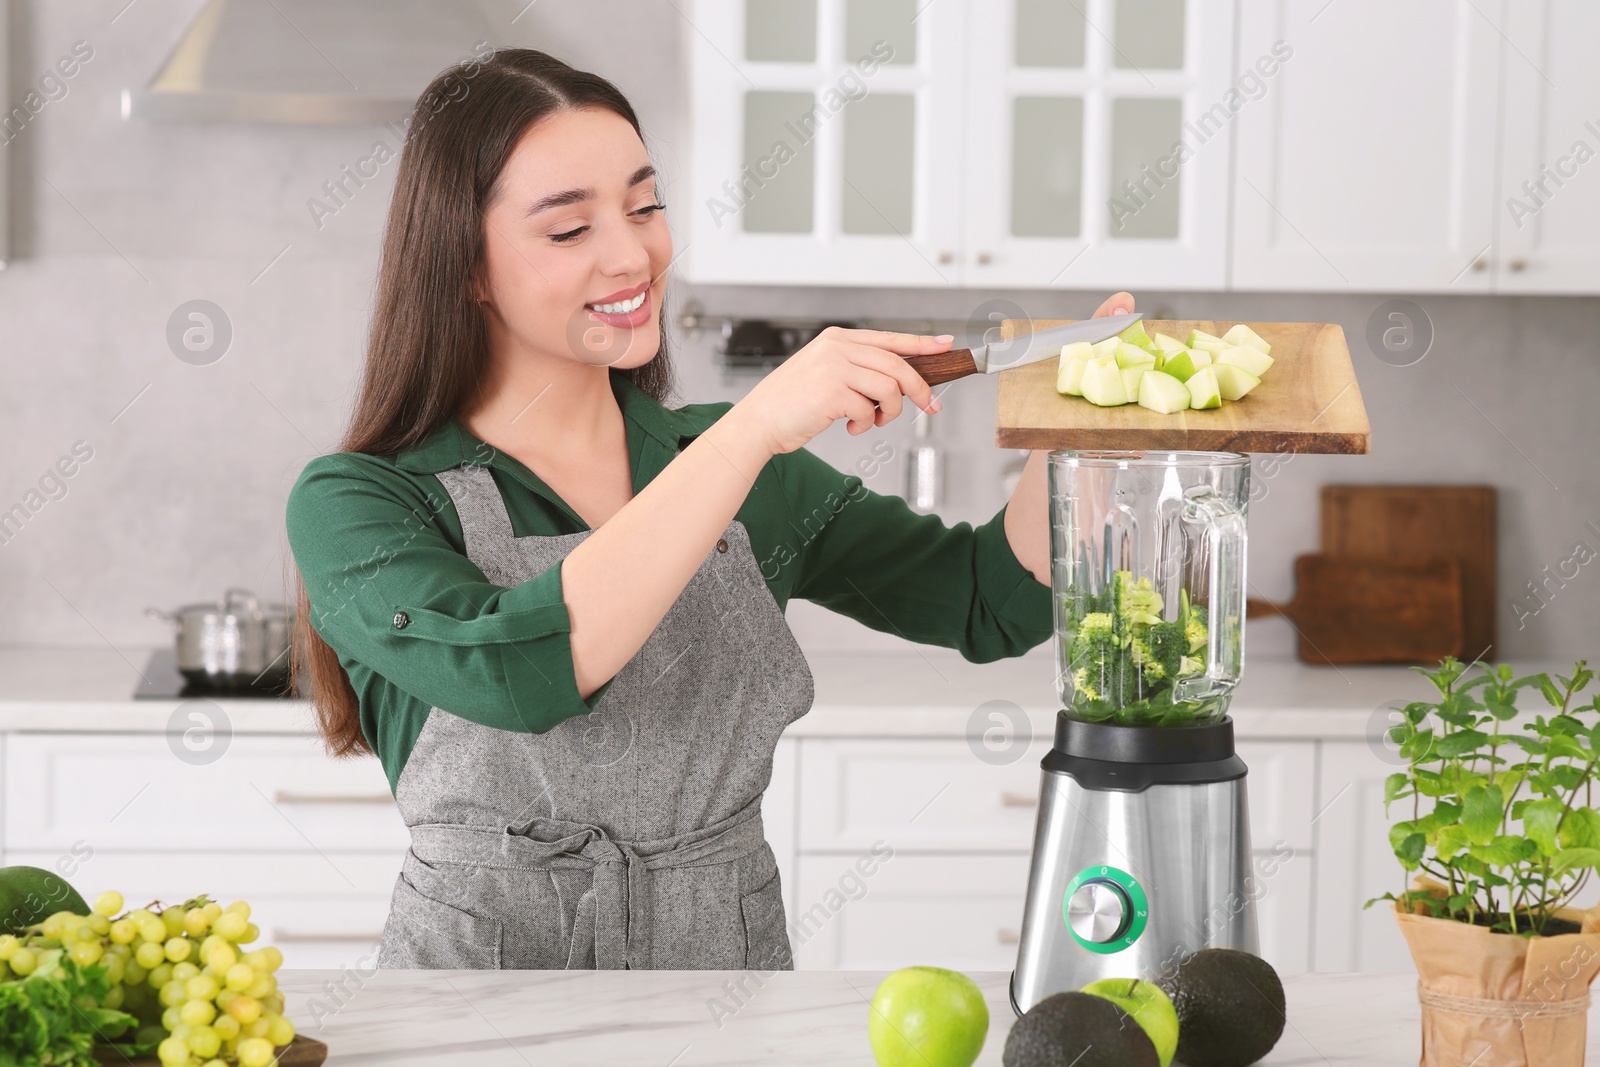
x,y
614,924
485,523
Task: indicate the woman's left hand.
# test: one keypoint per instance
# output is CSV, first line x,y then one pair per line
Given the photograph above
x,y
1027,521
1115,304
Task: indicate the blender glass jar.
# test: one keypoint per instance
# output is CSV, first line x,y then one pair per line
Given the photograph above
x,y
1147,573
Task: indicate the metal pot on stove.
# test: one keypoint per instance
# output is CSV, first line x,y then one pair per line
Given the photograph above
x,y
236,642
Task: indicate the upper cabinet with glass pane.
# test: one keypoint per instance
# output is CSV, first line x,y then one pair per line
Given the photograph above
x,y
1030,143
823,134
1092,158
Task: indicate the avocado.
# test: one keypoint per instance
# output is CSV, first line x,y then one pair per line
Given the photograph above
x,y
30,895
1081,1029
1230,1007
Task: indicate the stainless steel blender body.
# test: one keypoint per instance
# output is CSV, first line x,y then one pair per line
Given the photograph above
x,y
1135,863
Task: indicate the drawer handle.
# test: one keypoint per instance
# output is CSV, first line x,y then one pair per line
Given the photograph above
x,y
1018,800
1007,937
298,938
284,796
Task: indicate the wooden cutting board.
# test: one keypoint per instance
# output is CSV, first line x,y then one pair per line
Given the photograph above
x,y
301,1052
1372,609
1453,521
1307,402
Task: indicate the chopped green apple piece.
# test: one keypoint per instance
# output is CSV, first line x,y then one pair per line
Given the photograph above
x,y
1233,382
1162,393
1199,338
1135,335
1130,381
1203,392
1201,357
1167,344
1077,350
1069,380
1244,335
1246,358
1179,365
1102,383
1108,347
1129,356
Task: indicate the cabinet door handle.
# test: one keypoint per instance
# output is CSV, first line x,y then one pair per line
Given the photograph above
x,y
947,256
1006,937
1018,800
984,259
285,796
298,937
1519,264
1480,264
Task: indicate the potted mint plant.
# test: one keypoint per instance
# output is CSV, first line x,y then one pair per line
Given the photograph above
x,y
1499,838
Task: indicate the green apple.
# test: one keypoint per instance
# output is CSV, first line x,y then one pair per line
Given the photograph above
x,y
1179,364
1167,344
1150,1008
1131,356
1162,393
1108,347
1203,390
1246,358
927,1017
1069,378
1244,335
1102,383
1135,335
1234,382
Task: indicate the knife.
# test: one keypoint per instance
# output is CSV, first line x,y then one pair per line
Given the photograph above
x,y
1018,351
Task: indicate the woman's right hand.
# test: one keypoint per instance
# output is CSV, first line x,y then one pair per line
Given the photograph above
x,y
840,374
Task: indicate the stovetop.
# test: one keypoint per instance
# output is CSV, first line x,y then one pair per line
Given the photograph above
x,y
163,681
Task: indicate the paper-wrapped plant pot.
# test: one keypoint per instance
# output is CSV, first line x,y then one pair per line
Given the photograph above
x,y
1498,999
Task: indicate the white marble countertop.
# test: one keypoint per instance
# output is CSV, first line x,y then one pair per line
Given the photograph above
x,y
664,1018
928,692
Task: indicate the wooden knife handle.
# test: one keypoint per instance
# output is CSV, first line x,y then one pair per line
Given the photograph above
x,y
944,366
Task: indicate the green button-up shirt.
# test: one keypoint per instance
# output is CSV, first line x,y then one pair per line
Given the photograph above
x,y
416,624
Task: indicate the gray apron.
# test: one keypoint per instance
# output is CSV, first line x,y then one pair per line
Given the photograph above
x,y
629,837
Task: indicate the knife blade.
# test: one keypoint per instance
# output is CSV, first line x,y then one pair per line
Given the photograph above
x,y
1018,351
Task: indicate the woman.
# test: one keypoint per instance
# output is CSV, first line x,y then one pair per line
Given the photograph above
x,y
553,606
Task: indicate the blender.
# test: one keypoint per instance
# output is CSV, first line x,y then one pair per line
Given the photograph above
x,y
1141,850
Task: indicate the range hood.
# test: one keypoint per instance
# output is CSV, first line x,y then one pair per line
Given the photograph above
x,y
309,61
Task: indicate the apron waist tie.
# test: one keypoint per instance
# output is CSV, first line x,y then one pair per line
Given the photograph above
x,y
613,918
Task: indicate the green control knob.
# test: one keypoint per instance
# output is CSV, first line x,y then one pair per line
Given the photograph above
x,y
1105,909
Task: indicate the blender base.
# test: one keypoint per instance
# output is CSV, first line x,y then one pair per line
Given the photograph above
x,y
1141,856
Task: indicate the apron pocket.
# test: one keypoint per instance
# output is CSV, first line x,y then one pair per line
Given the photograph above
x,y
766,939
423,932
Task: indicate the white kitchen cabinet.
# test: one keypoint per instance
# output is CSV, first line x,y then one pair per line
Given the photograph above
x,y
1354,862
961,911
961,833
916,794
132,791
1367,162
1093,158
982,144
933,793
1280,792
780,812
1548,215
809,171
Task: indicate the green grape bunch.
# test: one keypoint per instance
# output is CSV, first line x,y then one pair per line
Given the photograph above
x,y
200,999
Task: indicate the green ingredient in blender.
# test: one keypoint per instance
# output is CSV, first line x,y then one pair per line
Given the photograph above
x,y
1125,658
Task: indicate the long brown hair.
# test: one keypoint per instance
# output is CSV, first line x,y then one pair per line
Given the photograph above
x,y
429,345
